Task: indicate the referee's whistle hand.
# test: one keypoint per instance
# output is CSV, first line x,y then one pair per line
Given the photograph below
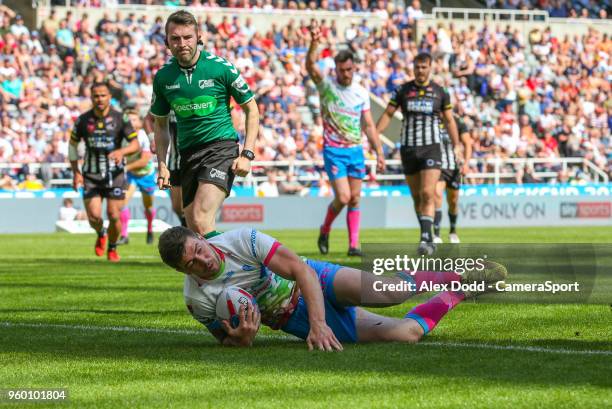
x,y
163,180
241,166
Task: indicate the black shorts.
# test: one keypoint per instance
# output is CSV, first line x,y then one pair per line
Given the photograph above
x,y
175,178
93,187
416,159
452,177
210,163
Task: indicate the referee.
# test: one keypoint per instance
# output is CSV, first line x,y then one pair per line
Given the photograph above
x,y
426,107
450,179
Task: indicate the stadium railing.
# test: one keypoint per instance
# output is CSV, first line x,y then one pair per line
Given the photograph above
x,y
523,20
500,174
493,15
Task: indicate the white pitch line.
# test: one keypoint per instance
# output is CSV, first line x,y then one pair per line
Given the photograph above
x,y
521,348
516,348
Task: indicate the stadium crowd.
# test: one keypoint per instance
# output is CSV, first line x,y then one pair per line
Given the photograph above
x,y
545,98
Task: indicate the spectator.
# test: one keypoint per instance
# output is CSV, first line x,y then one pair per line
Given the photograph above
x,y
7,182
290,186
268,188
31,182
512,93
68,212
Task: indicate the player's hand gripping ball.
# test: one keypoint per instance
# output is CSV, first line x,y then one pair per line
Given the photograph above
x,y
229,302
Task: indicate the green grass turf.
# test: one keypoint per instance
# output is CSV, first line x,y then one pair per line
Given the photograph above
x,y
60,301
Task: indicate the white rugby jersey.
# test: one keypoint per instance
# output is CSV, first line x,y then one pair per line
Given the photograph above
x,y
245,254
341,110
145,146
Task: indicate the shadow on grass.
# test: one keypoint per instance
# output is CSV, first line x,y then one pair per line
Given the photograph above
x,y
290,356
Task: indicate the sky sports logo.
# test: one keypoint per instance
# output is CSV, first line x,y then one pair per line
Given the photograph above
x,y
242,213
586,210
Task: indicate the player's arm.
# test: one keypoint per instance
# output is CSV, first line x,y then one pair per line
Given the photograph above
x,y
287,264
311,56
451,126
394,102
385,118
449,121
118,154
130,135
145,157
466,139
73,156
161,134
369,129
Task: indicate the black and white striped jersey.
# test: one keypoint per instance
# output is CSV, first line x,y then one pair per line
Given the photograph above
x,y
174,157
422,106
101,137
446,145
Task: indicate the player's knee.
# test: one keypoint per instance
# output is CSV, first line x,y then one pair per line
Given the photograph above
x,y
94,220
344,198
354,201
412,333
427,197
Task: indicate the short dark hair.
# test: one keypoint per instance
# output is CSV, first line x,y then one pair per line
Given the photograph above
x,y
344,56
424,57
181,18
171,245
97,84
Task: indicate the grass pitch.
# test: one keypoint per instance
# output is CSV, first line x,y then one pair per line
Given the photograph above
x,y
120,336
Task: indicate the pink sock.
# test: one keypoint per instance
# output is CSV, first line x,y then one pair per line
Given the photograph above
x,y
329,219
150,215
430,277
353,218
429,314
124,216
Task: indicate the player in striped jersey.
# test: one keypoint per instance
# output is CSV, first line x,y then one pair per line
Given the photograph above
x,y
450,179
425,107
103,130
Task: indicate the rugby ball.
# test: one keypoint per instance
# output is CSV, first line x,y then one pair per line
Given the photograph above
x,y
229,302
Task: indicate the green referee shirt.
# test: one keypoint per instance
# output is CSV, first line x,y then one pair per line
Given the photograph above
x,y
200,98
